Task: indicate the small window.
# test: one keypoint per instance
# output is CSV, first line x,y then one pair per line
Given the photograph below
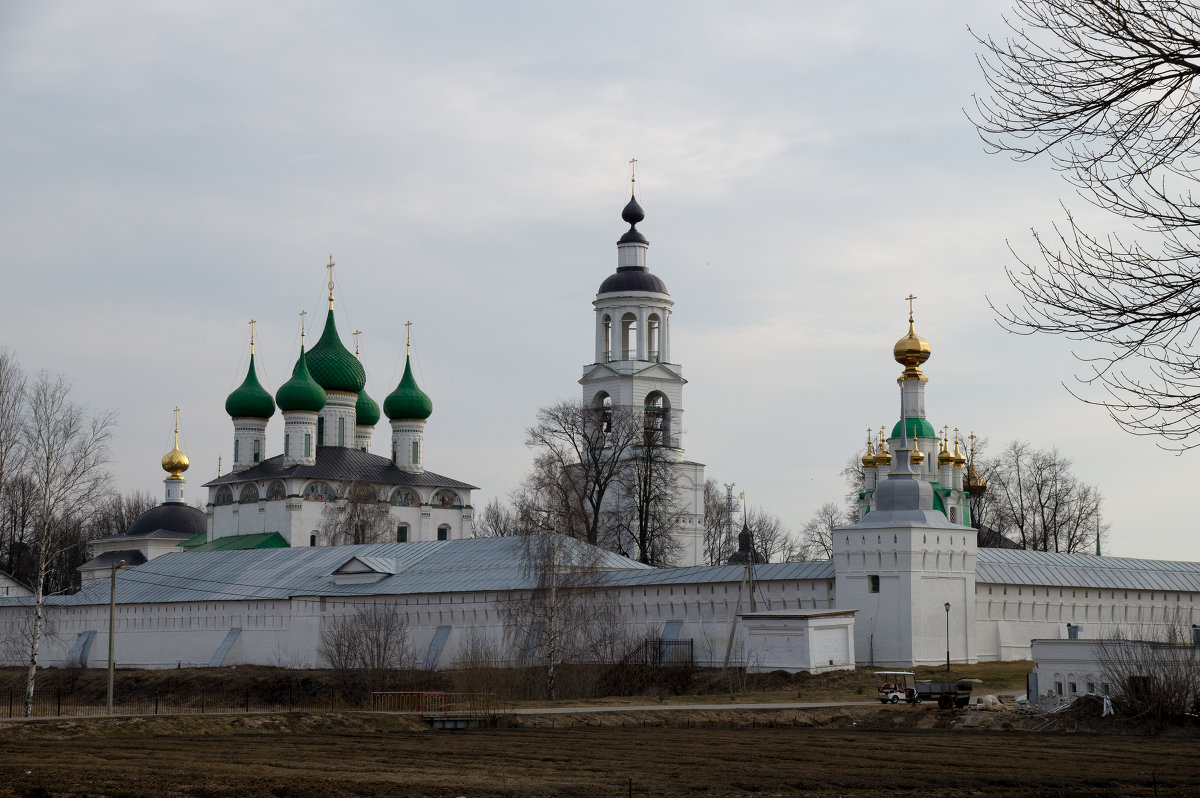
x,y
873,579
312,540
416,452
257,450
341,432
287,445
1091,688
1058,688
402,533
236,449
1071,686
308,444
320,431
444,532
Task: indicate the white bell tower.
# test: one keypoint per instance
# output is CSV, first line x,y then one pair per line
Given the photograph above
x,y
633,367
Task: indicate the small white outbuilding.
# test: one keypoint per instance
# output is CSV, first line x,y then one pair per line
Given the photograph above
x,y
797,640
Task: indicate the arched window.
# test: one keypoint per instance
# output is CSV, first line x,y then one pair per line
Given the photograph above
x,y
318,492
602,404
249,494
320,431
276,491
446,498
653,336
954,515
224,495
444,532
629,337
401,533
404,497
312,539
657,419
606,338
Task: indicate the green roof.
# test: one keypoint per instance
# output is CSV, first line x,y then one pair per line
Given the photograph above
x,y
250,399
259,540
194,541
366,412
917,428
301,392
332,365
408,402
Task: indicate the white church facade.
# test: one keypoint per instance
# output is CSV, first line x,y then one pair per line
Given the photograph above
x,y
907,583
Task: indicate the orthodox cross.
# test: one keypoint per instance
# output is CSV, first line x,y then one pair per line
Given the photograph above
x,y
356,334
408,338
176,426
303,313
218,465
633,176
910,299
330,267
252,323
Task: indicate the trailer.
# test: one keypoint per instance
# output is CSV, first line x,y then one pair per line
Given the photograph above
x,y
947,694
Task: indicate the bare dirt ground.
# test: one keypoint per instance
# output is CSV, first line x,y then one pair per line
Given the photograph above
x,y
853,752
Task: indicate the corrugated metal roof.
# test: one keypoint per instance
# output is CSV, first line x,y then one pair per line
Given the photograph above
x,y
256,540
1019,567
445,566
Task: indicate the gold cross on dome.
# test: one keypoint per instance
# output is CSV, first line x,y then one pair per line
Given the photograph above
x,y
910,299
252,323
303,313
633,175
356,334
408,338
176,425
330,267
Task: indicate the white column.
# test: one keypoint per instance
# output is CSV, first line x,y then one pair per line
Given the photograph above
x,y
665,345
642,333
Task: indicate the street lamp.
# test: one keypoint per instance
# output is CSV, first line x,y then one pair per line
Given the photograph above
x,y
112,611
947,606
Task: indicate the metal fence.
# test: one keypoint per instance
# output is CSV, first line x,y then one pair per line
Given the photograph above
x,y
665,653
52,702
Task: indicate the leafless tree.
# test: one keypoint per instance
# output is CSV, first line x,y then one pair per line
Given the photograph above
x,y
358,516
1106,90
67,452
562,616
856,483
773,541
644,519
497,520
720,534
115,513
584,449
1152,675
367,647
816,536
1039,503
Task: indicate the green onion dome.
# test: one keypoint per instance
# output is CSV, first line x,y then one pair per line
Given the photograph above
x,y
366,412
332,365
408,402
250,399
301,392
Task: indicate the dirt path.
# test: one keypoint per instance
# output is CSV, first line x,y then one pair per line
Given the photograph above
x,y
363,755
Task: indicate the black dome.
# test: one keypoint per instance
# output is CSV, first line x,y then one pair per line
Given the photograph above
x,y
172,517
632,279
632,213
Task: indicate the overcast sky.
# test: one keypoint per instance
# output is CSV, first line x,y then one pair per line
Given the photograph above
x,y
172,170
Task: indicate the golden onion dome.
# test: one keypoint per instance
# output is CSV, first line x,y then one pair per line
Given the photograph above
x,y
944,456
959,459
175,462
911,351
868,459
882,455
917,457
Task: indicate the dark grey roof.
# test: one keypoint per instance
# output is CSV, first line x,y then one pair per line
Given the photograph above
x,y
110,558
339,462
1020,567
172,519
632,278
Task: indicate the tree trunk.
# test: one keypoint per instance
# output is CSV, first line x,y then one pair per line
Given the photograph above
x,y
35,640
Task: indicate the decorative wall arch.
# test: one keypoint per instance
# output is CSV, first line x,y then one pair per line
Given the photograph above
x,y
223,495
318,492
276,490
446,498
248,494
404,497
